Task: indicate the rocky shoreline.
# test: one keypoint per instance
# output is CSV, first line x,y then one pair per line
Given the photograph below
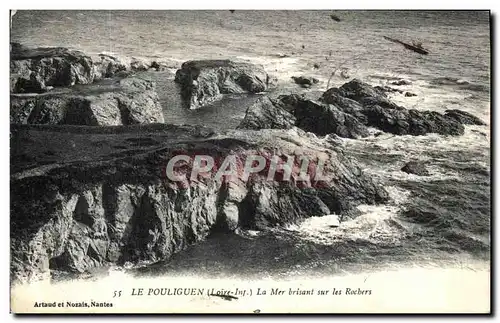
x,y
89,145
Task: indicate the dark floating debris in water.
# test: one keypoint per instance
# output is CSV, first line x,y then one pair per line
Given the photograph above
x,y
305,81
388,89
401,82
155,65
417,168
335,17
415,46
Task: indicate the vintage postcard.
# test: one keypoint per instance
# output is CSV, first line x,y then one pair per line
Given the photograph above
x,y
250,161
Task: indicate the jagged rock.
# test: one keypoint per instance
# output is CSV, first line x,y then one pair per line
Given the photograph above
x,y
21,108
32,70
423,122
305,81
232,194
366,94
416,168
264,115
357,90
136,83
206,81
412,122
36,70
139,65
72,210
410,94
401,82
288,102
108,66
464,117
13,82
374,109
388,89
323,119
155,65
334,96
114,102
160,66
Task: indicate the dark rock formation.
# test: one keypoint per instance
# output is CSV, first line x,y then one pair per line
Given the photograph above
x,y
401,82
371,107
334,96
108,66
139,65
288,102
155,65
305,81
412,122
263,114
335,17
388,89
72,211
33,70
206,81
464,117
110,102
323,119
357,90
366,94
410,94
414,167
374,109
159,66
309,115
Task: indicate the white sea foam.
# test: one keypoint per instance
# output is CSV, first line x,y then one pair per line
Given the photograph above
x,y
426,149
377,223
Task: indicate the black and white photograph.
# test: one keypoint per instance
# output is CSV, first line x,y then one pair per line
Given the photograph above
x,y
250,161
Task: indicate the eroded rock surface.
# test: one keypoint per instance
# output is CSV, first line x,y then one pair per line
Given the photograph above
x,y
374,109
309,115
348,111
323,119
37,70
33,70
74,211
206,81
464,117
263,114
111,102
